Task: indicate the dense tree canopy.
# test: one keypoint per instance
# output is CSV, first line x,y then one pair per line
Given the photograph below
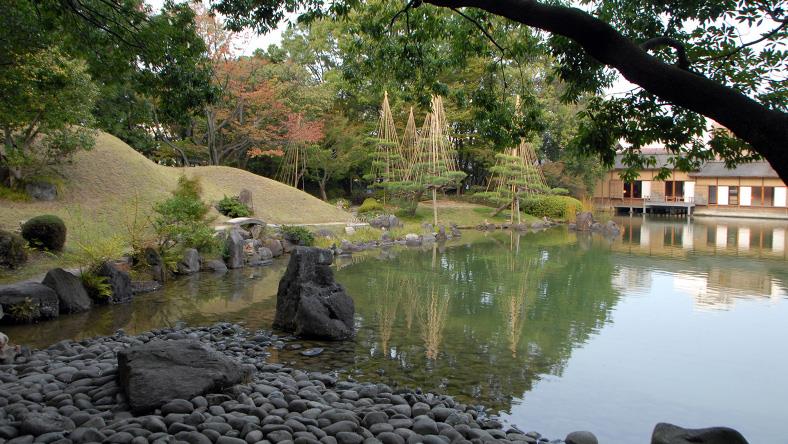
x,y
688,58
117,66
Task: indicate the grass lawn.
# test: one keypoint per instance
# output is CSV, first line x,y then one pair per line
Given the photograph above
x,y
464,214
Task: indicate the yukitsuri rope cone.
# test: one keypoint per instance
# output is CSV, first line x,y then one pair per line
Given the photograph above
x,y
410,142
294,163
387,162
434,160
516,173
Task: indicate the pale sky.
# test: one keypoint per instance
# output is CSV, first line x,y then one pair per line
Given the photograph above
x,y
253,41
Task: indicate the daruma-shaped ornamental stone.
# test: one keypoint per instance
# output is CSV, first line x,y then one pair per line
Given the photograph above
x,y
310,303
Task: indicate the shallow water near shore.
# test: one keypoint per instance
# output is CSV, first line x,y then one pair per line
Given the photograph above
x,y
558,331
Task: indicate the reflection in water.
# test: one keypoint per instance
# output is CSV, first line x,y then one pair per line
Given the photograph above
x,y
386,307
524,323
711,268
434,310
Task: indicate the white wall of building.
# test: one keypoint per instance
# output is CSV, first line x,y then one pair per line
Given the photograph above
x,y
779,196
722,195
689,191
646,188
745,196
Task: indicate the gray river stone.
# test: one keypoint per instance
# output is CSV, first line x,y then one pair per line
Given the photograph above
x,y
119,281
665,433
42,423
234,245
581,437
190,263
157,372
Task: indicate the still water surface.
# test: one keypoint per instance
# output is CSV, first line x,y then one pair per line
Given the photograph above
x,y
674,321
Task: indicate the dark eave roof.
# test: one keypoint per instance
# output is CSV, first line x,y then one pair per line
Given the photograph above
x,y
753,169
663,160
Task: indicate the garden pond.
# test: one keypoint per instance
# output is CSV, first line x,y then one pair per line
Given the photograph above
x,y
675,321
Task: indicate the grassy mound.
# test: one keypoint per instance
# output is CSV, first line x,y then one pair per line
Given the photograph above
x,y
104,189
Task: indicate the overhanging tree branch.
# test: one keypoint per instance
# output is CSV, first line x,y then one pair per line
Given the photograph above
x,y
766,130
681,53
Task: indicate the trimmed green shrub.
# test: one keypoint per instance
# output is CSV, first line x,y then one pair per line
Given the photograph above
x,y
181,221
370,205
231,206
47,232
298,235
554,207
12,250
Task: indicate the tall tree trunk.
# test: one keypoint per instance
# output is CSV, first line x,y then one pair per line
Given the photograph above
x,y
213,154
322,184
766,130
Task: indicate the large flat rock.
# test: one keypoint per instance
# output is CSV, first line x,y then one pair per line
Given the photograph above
x,y
33,300
159,371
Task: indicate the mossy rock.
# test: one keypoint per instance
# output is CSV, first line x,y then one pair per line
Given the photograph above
x,y
47,232
12,250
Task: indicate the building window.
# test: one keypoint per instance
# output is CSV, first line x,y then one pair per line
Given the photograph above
x,y
755,196
713,194
733,195
763,196
768,196
633,190
674,190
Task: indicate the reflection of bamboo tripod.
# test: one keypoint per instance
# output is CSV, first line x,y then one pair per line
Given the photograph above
x,y
386,311
515,301
433,318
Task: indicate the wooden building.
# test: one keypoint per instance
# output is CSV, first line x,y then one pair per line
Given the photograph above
x,y
749,190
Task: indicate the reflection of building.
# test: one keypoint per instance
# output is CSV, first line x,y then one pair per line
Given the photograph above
x,y
752,189
719,288
710,269
725,236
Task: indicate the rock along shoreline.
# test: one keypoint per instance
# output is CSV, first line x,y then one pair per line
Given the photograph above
x,y
70,393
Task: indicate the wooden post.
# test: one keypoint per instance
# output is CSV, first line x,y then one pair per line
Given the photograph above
x,y
434,207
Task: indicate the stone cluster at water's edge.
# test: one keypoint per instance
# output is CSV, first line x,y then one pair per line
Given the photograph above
x,y
70,393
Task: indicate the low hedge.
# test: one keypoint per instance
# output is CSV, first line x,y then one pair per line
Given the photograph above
x,y
231,206
370,205
554,207
298,235
47,232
